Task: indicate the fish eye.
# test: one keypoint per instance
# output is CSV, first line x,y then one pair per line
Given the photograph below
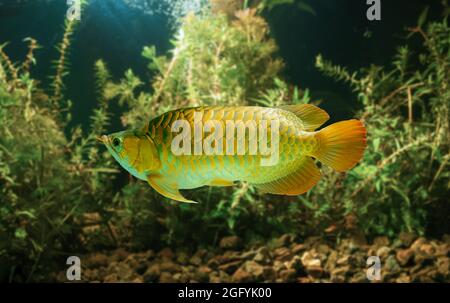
x,y
116,142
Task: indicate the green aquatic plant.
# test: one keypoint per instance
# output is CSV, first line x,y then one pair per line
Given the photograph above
x,y
215,60
403,181
405,108
300,4
59,190
62,64
230,7
29,60
397,187
51,180
9,71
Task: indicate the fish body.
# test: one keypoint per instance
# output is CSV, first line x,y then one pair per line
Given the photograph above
x,y
270,148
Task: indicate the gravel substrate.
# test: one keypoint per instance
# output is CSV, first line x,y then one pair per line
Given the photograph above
x,y
406,259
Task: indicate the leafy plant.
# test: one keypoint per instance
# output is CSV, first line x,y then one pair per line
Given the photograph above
x,y
58,187
215,60
50,181
401,182
403,179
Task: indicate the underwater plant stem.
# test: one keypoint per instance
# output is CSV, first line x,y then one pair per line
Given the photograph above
x,y
384,163
208,199
239,194
439,171
191,89
11,274
410,112
63,48
165,76
112,233
30,55
33,268
10,66
399,151
46,240
102,170
429,44
216,85
392,95
61,63
437,140
7,152
398,90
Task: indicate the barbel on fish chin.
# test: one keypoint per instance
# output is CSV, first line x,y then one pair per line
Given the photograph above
x,y
148,153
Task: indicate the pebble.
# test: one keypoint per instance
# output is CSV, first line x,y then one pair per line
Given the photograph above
x,y
231,242
404,260
383,252
288,275
298,248
381,241
230,267
404,256
308,260
241,276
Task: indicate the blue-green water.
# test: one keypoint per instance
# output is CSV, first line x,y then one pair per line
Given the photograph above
x,y
63,195
116,32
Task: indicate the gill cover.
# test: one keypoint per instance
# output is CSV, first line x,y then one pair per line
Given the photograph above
x,y
142,153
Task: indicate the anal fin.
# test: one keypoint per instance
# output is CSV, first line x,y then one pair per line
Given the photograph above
x,y
167,189
296,183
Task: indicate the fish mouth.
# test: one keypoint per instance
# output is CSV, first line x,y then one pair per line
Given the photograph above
x,y
103,139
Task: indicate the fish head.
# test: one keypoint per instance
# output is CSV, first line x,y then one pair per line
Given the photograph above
x,y
134,150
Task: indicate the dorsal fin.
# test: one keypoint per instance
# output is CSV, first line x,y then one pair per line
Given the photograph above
x,y
312,116
296,183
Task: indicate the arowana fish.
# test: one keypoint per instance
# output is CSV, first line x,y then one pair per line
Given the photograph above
x,y
149,153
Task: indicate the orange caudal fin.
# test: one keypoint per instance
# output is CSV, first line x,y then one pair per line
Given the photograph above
x,y
342,144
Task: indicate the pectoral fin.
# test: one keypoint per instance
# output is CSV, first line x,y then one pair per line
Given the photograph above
x,y
167,189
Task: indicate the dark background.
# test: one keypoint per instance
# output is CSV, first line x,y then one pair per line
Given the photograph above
x,y
113,31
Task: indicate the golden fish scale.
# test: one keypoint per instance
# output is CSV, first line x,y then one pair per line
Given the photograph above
x,y
294,144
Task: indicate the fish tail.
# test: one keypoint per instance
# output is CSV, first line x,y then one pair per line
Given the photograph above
x,y
341,145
